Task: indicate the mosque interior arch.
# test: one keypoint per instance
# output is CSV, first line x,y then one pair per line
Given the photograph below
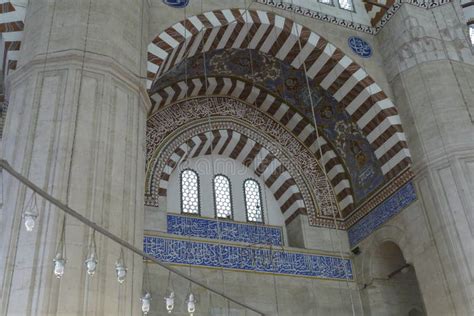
x,y
277,158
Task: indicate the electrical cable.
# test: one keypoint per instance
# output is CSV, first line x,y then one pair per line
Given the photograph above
x,y
323,167
66,209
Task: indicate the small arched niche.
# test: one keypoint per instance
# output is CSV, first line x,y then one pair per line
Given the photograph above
x,y
394,288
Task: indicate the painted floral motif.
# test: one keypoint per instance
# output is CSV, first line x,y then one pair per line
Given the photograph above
x,y
290,84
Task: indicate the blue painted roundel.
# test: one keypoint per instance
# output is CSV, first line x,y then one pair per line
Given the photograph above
x,y
360,47
176,3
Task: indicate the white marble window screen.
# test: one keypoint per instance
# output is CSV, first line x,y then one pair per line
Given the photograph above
x,y
253,201
346,5
189,192
328,2
222,197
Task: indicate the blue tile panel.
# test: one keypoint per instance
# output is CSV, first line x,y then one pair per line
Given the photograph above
x,y
230,231
360,47
247,259
176,3
382,213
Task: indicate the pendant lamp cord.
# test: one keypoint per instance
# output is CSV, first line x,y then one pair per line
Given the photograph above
x,y
323,165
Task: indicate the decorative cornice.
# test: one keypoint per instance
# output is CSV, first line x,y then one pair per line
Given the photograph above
x,y
320,16
372,30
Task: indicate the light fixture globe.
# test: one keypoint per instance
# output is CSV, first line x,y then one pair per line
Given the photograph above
x,y
191,304
121,271
169,301
29,221
146,303
59,265
91,264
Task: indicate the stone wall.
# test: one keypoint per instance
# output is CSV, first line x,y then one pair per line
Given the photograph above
x,y
430,68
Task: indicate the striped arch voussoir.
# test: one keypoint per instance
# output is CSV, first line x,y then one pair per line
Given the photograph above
x,y
278,110
326,65
12,18
251,154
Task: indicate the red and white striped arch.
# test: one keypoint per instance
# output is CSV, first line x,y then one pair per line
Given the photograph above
x,y
251,154
376,9
327,65
12,16
273,107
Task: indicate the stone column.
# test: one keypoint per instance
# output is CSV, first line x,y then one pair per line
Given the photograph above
x,y
431,70
76,128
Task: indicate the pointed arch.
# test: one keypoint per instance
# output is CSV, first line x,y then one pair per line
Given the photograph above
x,y
328,66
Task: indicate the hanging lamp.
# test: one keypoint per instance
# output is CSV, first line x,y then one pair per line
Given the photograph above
x,y
169,298
30,213
60,258
169,301
146,303
91,261
121,268
191,302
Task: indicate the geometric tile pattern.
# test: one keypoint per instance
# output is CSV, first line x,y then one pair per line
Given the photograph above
x,y
222,197
382,213
280,37
253,201
189,192
224,230
263,260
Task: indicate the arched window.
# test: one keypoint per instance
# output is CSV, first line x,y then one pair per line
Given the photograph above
x,y
189,192
346,5
253,201
222,196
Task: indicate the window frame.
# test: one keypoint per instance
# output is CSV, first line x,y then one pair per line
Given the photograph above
x,y
260,198
198,189
215,200
329,4
350,10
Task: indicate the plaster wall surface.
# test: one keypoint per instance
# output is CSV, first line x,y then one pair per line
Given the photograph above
x,y
274,295
75,128
410,230
303,235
